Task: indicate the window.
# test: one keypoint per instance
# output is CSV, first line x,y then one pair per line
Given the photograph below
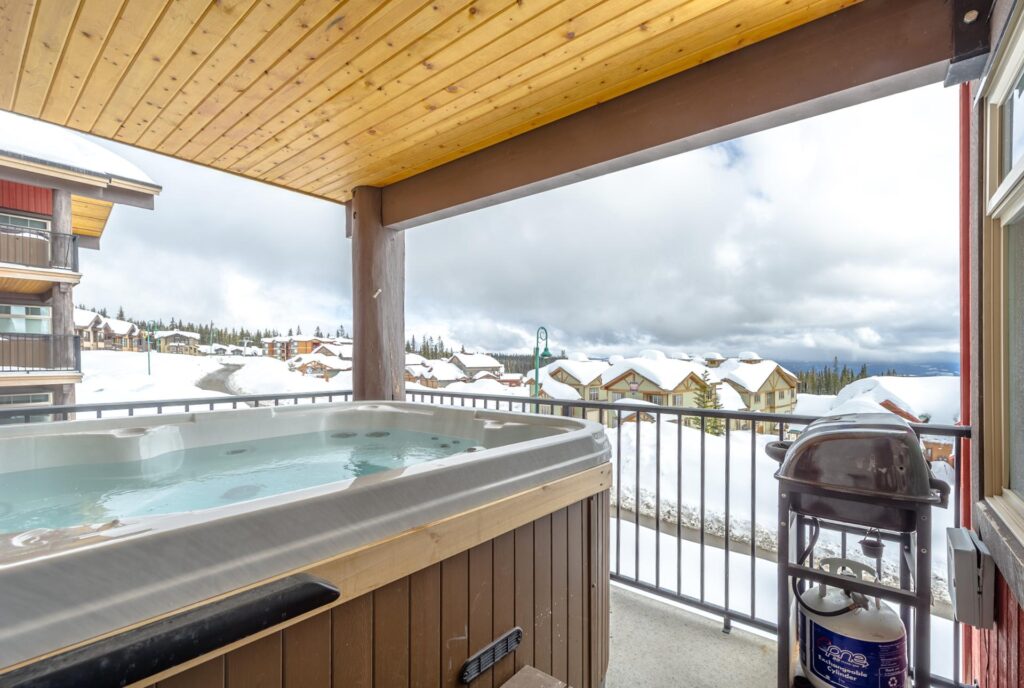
x,y
28,399
653,398
26,222
757,398
25,319
778,395
616,396
677,400
593,393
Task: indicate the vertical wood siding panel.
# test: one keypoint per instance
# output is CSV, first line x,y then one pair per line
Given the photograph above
x,y
559,595
574,630
524,594
32,199
425,628
209,674
353,643
391,635
481,605
256,665
1002,671
307,653
504,592
1012,643
542,593
454,618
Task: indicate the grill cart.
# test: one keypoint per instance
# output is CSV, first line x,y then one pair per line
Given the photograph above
x,y
859,474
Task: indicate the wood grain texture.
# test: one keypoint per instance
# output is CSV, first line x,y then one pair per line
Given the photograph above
x,y
419,630
322,97
996,654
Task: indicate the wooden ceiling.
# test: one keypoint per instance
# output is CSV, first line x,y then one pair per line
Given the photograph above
x,y
321,96
89,215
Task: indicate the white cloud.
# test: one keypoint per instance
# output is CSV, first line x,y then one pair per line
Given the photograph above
x,y
835,235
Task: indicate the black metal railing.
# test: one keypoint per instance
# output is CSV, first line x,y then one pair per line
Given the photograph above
x,y
43,353
38,248
685,497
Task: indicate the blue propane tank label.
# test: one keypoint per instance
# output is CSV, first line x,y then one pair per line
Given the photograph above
x,y
846,662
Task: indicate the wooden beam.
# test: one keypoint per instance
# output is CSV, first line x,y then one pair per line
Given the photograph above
x,y
378,301
867,51
112,194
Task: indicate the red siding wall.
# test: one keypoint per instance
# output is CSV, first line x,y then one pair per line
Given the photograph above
x,y
31,199
995,657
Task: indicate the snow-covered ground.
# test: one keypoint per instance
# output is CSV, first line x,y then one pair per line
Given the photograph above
x,y
115,376
263,375
747,466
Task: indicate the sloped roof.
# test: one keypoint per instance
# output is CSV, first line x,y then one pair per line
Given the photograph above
x,y
161,334
584,370
443,371
558,390
665,372
120,327
750,376
475,360
84,318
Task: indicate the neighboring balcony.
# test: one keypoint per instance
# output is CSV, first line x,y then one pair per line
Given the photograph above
x,y
33,260
39,358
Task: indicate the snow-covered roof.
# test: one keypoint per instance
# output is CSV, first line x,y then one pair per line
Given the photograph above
x,y
475,360
487,386
29,139
120,327
558,390
712,356
161,334
681,355
332,362
84,318
936,398
748,356
443,371
730,399
339,350
480,375
665,372
415,359
586,371
512,377
749,376
616,358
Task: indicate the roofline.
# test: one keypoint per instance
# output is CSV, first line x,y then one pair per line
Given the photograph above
x,y
23,170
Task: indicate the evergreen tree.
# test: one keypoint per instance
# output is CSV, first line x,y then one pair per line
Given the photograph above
x,y
318,332
290,333
298,331
120,312
707,398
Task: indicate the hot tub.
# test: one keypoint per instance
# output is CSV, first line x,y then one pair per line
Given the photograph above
x,y
111,524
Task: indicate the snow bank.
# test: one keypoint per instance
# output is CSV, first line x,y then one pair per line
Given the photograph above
x,y
115,376
271,376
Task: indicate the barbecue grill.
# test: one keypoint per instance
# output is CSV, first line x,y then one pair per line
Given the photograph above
x,y
859,474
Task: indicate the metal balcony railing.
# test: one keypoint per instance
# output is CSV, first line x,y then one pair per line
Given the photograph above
x,y
693,498
38,248
40,353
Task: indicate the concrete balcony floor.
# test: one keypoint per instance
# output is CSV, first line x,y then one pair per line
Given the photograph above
x,y
656,644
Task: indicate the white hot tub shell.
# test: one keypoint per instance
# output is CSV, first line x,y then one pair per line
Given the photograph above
x,y
63,586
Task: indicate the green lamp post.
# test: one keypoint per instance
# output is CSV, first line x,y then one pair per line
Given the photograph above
x,y
542,333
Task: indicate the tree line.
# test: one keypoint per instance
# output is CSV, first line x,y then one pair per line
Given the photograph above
x,y
831,379
212,332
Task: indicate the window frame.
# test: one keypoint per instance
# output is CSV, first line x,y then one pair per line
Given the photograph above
x,y
1002,205
48,317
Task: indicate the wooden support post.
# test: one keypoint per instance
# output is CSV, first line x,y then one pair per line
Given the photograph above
x,y
378,301
62,305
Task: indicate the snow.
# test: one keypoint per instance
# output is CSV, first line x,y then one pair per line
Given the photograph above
x,y
415,359
340,351
466,361
487,386
28,138
730,399
161,334
935,398
585,371
114,376
659,489
84,318
748,356
265,375
120,327
749,376
558,390
443,371
712,356
665,372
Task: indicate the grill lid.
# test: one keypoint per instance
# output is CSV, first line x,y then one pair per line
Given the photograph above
x,y
869,454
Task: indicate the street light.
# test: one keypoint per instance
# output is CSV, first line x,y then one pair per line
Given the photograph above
x,y
542,333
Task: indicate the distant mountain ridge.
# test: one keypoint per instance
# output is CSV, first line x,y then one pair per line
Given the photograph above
x,y
920,369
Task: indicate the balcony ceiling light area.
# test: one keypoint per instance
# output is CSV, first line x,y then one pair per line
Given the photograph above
x,y
320,96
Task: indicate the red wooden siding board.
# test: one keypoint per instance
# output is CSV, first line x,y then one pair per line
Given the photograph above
x,y
32,199
995,654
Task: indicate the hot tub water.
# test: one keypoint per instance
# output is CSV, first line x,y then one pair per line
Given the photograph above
x,y
205,477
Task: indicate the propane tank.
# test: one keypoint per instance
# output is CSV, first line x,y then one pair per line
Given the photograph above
x,y
866,646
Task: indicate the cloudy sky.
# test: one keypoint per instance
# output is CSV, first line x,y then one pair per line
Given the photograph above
x,y
832,236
